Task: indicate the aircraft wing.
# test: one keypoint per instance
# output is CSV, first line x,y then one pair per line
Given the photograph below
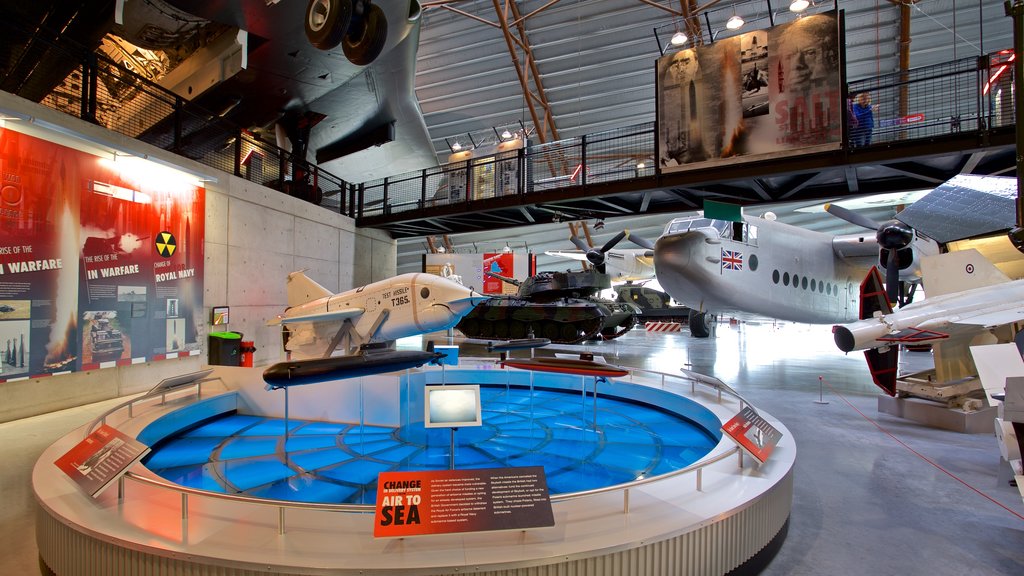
x,y
965,206
568,254
1011,314
913,336
331,316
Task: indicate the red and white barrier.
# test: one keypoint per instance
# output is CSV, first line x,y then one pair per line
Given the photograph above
x,y
663,327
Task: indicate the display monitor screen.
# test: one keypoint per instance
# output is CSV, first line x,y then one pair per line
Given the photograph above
x,y
220,315
452,406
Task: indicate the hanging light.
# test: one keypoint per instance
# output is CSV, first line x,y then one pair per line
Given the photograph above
x,y
735,22
798,5
456,147
506,135
678,39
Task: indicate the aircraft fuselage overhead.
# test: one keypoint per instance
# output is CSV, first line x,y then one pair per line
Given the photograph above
x,y
334,77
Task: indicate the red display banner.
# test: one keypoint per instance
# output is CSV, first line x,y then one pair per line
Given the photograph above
x,y
501,264
755,435
104,455
447,501
101,259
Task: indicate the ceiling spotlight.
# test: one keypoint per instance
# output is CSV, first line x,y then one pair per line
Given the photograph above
x,y
641,166
506,135
798,5
678,39
456,147
734,22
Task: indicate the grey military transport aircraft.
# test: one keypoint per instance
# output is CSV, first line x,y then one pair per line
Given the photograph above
x,y
758,267
334,77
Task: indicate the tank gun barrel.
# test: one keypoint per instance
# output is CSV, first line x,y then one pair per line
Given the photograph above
x,y
511,281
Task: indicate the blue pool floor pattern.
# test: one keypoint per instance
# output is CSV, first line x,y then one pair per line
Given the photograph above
x,y
328,462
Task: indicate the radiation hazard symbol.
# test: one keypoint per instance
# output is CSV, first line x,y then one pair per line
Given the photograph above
x,y
166,244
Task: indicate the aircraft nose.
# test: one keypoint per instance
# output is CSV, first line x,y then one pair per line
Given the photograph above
x,y
672,252
462,300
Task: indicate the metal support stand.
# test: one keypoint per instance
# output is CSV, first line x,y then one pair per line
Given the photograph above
x,y
451,457
820,399
1015,10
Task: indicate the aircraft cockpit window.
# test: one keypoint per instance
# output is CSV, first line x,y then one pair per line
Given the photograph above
x,y
738,232
424,292
684,224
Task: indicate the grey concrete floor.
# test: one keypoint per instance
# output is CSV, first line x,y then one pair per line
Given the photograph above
x,y
873,494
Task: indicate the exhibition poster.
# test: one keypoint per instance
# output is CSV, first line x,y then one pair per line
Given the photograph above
x,y
755,435
100,459
448,501
766,93
101,259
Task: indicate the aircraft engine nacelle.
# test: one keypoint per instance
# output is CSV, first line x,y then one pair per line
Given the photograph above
x,y
910,258
860,335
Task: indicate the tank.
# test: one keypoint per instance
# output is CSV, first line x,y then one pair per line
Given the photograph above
x,y
560,306
654,305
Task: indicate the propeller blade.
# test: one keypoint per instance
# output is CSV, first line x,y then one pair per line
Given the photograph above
x,y
892,277
851,216
579,243
611,243
640,241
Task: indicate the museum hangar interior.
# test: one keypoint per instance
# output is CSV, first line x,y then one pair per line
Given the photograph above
x,y
570,76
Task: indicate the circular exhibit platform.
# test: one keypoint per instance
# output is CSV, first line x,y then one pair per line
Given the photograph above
x,y
715,515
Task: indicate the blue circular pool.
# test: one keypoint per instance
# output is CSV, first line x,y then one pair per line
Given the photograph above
x,y
339,463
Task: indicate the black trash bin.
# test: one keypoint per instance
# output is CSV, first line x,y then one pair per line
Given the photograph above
x,y
225,348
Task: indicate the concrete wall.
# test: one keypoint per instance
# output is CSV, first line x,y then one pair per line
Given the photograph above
x,y
255,236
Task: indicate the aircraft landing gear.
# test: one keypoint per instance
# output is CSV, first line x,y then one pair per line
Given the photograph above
x,y
701,324
358,25
327,21
366,34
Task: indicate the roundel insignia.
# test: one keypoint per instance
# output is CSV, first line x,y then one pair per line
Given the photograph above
x,y
970,268
166,244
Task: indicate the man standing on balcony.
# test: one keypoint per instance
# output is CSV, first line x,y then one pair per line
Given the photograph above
x,y
863,121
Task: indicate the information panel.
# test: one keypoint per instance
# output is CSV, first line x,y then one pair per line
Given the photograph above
x,y
753,433
447,501
101,259
104,455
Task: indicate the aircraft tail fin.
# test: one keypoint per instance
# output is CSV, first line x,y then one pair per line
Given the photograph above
x,y
872,295
958,271
883,367
303,289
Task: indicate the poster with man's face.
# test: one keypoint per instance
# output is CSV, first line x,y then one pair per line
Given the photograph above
x,y
805,92
766,92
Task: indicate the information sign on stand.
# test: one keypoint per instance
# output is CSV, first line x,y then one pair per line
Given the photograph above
x,y
755,435
100,459
473,500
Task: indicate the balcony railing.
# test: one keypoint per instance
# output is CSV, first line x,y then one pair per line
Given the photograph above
x,y
967,95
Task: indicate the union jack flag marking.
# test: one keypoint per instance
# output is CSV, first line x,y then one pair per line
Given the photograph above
x,y
732,260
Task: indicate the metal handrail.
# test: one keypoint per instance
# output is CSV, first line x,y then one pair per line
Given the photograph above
x,y
282,505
